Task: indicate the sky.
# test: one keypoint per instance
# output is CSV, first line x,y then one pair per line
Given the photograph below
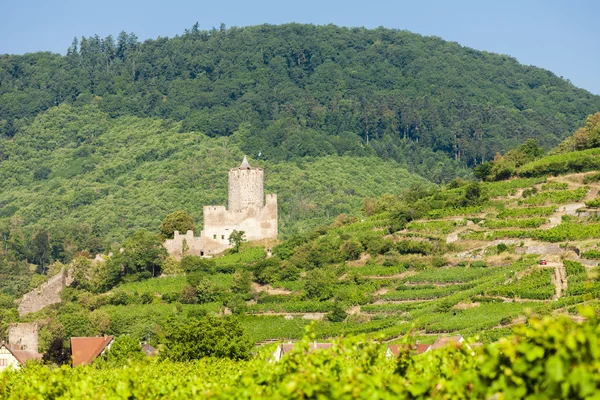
x,y
561,36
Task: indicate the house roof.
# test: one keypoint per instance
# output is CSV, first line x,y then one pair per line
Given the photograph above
x,y
85,349
22,356
444,341
287,347
149,350
417,348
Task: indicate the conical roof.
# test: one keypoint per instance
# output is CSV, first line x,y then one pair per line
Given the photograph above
x,y
245,164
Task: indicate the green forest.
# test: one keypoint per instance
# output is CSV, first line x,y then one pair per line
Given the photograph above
x,y
294,90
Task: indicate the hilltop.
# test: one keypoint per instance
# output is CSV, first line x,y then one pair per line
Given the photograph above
x,y
294,91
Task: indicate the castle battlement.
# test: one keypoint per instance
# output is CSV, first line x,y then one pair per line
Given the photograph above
x,y
249,211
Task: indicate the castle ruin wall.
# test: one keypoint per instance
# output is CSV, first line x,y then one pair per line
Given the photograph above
x,y
46,294
24,335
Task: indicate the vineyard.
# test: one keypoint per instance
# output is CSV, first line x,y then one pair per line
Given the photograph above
x,y
540,356
462,269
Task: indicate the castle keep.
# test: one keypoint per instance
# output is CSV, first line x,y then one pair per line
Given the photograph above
x,y
248,211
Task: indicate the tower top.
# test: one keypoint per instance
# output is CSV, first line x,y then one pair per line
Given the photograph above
x,y
245,164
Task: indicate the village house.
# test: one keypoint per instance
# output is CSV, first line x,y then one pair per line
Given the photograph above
x,y
393,350
84,350
286,348
13,356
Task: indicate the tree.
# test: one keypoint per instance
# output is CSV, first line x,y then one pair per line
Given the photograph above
x,y
338,314
41,249
178,221
206,337
142,254
318,285
81,270
242,282
235,239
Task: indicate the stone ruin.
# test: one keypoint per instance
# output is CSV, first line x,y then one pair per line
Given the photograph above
x,y
24,335
248,211
45,294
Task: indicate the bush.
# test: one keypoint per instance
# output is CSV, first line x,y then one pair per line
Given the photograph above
x,y
195,263
189,295
351,249
478,264
206,337
122,350
338,314
318,284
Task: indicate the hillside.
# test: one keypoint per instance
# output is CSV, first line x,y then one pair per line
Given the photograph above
x,y
91,180
468,262
293,91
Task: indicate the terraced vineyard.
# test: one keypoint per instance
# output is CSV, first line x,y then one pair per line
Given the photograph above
x,y
469,270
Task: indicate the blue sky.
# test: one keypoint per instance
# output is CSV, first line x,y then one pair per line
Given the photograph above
x,y
562,36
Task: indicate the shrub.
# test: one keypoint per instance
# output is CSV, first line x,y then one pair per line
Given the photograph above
x,y
206,337
195,263
122,350
338,314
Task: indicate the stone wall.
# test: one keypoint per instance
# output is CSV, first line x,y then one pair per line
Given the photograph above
x,y
219,223
542,249
24,335
246,188
44,295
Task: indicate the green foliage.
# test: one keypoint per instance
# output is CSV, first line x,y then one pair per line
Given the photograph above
x,y
586,137
242,282
124,349
526,212
142,255
338,313
535,285
206,337
195,263
577,161
318,284
547,358
558,197
179,221
592,254
236,238
594,177
593,203
514,223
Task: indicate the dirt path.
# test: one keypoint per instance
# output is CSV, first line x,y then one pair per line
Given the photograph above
x,y
269,289
561,279
402,301
395,276
518,300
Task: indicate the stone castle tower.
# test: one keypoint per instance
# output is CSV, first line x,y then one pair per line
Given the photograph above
x,y
246,187
249,211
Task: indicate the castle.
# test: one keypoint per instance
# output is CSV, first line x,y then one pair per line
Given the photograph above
x,y
248,211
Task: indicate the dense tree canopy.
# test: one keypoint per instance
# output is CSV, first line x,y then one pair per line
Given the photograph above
x,y
298,90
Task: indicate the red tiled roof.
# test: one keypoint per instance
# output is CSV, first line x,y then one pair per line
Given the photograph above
x,y
22,356
85,349
444,341
149,350
417,348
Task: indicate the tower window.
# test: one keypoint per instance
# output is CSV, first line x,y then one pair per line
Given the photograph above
x,y
214,236
222,237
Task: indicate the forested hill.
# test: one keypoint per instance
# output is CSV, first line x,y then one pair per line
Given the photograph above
x,y
296,90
